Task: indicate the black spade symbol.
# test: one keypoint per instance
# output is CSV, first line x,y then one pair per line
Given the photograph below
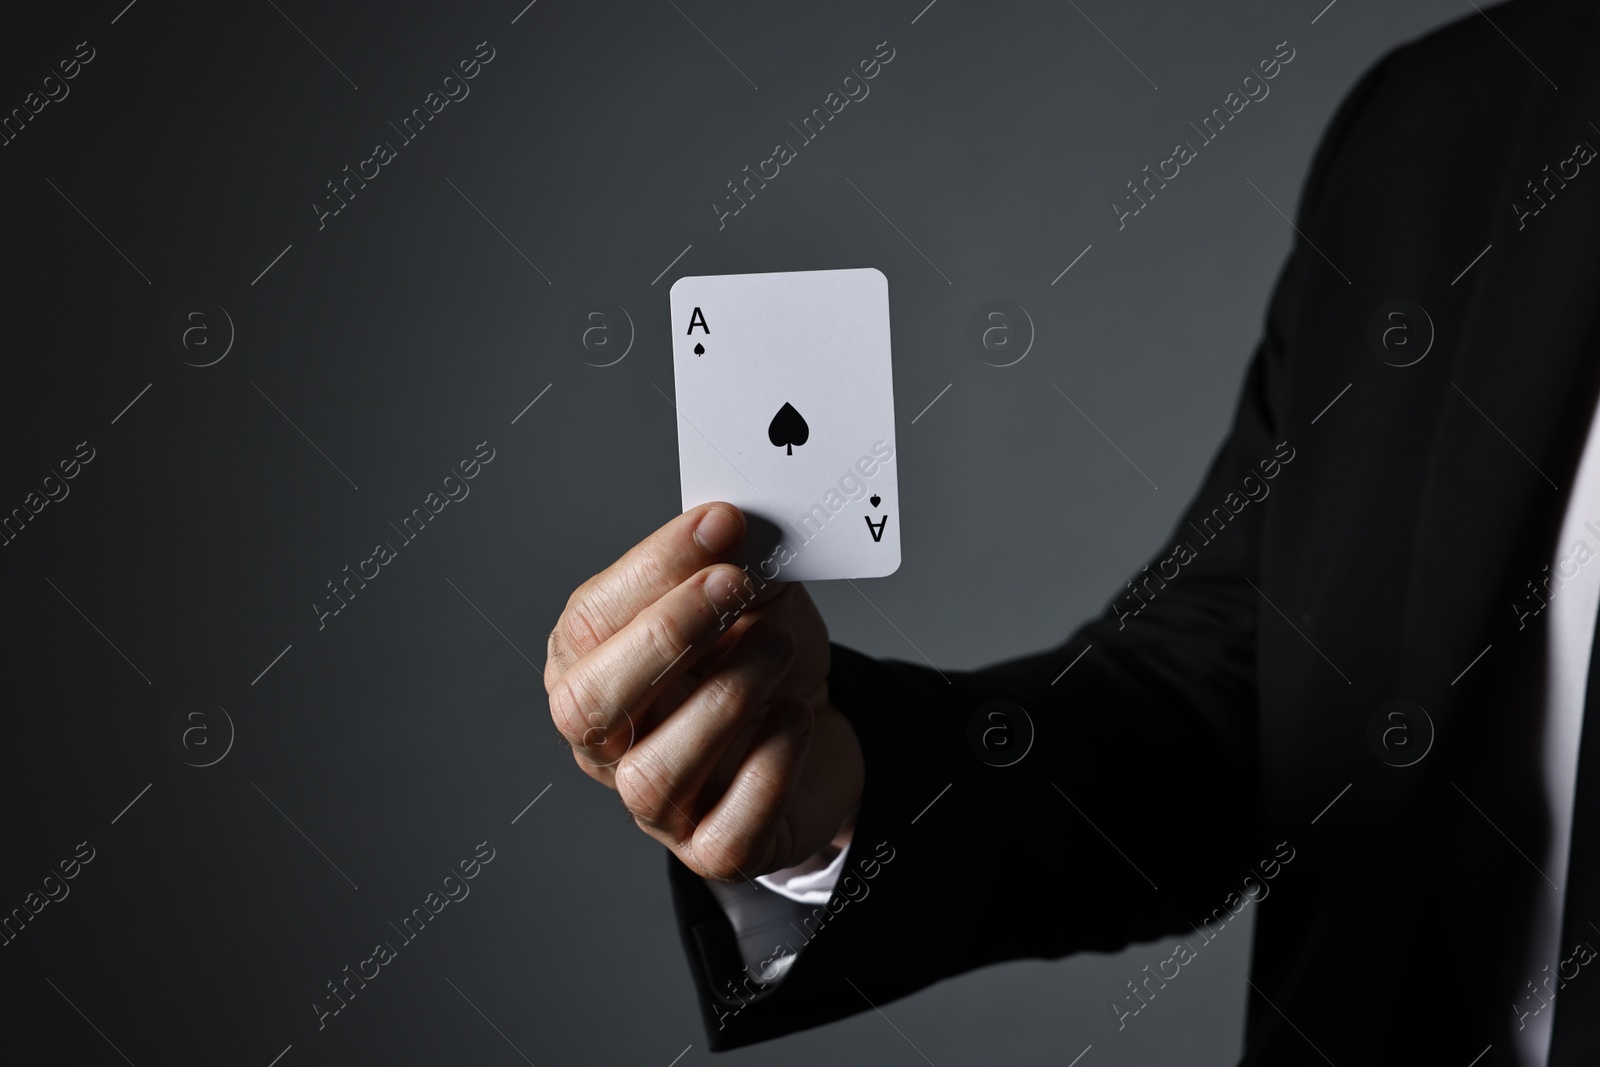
x,y
788,428
876,499
699,350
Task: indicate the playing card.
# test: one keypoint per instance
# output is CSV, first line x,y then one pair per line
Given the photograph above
x,y
786,408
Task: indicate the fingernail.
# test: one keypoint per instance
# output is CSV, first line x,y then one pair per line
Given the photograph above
x,y
717,531
769,641
725,589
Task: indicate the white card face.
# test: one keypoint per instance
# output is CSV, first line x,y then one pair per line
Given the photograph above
x,y
786,408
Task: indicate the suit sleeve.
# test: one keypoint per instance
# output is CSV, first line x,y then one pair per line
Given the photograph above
x,y
1136,801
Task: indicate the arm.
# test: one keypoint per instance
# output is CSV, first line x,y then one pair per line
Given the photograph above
x,y
1130,815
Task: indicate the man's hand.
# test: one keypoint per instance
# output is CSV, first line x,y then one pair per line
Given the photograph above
x,y
699,693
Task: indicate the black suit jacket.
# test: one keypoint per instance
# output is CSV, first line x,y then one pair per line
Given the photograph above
x,y
1227,714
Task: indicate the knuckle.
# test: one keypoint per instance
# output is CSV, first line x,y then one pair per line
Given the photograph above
x,y
646,790
727,693
729,851
666,637
571,709
618,593
650,577
761,788
581,627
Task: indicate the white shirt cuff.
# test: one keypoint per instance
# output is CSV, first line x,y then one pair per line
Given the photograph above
x,y
767,914
810,882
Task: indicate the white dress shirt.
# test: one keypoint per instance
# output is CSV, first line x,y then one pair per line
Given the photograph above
x,y
1572,608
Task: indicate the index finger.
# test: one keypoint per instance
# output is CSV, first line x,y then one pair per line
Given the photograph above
x,y
604,604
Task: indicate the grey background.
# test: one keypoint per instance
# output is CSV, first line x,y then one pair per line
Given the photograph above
x,y
411,327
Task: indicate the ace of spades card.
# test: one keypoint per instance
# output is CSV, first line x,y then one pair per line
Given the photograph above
x,y
785,403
